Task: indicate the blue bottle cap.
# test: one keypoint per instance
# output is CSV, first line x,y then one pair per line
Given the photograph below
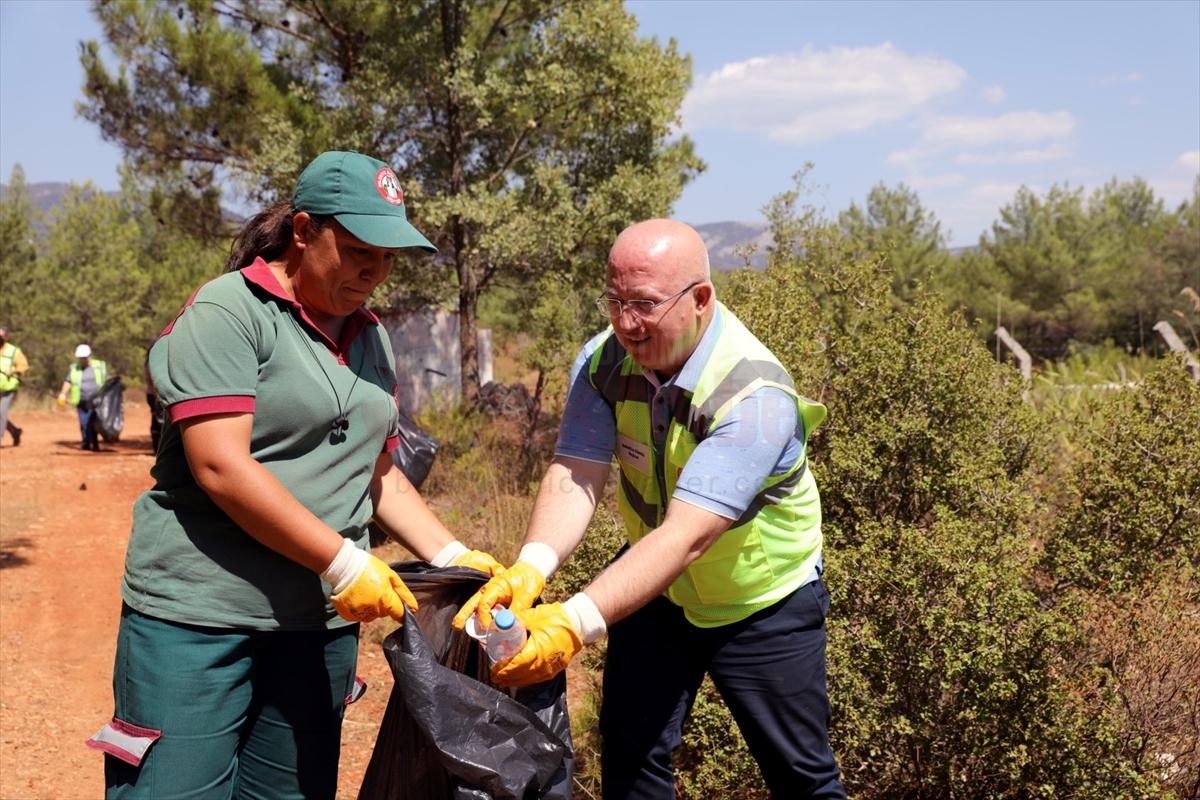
x,y
504,619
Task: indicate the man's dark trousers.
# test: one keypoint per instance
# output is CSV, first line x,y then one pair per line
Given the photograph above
x,y
769,669
88,432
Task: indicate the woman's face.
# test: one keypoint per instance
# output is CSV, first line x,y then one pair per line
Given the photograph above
x,y
338,271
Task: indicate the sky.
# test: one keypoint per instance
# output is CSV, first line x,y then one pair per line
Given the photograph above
x,y
963,102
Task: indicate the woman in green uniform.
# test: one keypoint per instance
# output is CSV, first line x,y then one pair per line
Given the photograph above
x,y
248,566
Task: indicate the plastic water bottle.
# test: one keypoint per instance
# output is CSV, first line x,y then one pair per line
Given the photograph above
x,y
505,637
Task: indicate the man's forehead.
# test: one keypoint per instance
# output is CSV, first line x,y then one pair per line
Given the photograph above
x,y
658,248
637,275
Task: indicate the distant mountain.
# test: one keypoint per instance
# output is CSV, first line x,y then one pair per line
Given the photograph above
x,y
45,196
724,238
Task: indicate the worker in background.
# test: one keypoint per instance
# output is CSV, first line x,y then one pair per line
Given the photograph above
x,y
84,380
13,365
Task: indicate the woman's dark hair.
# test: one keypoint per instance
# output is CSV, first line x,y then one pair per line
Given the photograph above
x,y
267,235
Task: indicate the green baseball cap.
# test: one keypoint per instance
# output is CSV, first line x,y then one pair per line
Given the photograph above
x,y
363,194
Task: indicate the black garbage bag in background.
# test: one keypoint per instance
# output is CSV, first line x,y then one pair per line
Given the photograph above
x,y
416,452
109,404
446,733
414,457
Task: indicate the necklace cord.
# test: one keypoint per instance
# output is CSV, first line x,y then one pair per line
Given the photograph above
x,y
341,423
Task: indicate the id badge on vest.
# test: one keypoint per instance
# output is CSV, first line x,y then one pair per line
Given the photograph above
x,y
633,453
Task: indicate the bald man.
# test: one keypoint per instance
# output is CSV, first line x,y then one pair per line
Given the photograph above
x,y
722,575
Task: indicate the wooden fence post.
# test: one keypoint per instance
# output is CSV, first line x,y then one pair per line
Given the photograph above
x,y
1164,329
1023,360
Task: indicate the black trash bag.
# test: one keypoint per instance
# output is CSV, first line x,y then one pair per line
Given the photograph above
x,y
416,452
414,457
109,405
446,733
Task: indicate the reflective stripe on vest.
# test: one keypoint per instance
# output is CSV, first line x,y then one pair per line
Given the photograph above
x,y
766,553
75,376
8,355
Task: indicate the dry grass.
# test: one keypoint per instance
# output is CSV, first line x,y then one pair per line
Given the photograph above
x,y
1146,648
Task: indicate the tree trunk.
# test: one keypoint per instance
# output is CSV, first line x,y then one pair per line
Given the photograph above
x,y
468,298
468,286
532,416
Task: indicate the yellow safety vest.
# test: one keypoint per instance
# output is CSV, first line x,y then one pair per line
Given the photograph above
x,y
8,354
767,553
75,376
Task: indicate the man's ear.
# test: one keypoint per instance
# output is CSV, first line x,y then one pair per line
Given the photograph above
x,y
302,229
704,295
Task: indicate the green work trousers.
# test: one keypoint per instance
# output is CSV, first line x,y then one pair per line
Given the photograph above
x,y
242,713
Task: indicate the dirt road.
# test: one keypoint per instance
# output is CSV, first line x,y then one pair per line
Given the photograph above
x,y
64,522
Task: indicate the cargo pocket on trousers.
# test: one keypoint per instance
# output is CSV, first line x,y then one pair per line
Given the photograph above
x,y
122,740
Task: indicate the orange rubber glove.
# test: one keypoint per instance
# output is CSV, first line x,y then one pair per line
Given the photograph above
x,y
376,592
552,643
517,589
477,559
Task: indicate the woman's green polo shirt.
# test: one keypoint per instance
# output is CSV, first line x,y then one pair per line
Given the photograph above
x,y
242,345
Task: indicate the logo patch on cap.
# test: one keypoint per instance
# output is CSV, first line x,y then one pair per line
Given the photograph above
x,y
388,186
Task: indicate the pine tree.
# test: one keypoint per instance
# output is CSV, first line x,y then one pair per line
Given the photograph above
x,y
18,250
894,225
525,134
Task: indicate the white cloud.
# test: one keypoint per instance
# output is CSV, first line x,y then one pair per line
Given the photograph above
x,y
1017,126
1085,174
1028,156
907,158
925,182
999,193
994,94
1173,190
1189,160
1120,79
817,94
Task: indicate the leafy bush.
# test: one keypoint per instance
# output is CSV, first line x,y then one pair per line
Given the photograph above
x,y
945,670
1015,603
1133,495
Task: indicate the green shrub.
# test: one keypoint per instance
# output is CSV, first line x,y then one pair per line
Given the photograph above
x,y
1133,493
1016,612
945,670
1065,387
604,538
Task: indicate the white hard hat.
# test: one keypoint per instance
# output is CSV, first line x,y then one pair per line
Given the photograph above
x,y
83,351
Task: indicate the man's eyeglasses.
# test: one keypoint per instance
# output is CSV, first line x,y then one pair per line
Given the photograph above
x,y
615,306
